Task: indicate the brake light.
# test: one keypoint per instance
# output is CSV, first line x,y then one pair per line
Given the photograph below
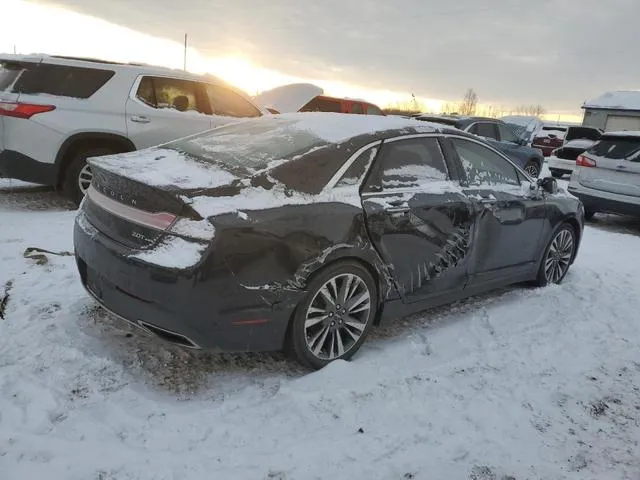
x,y
156,220
583,161
23,110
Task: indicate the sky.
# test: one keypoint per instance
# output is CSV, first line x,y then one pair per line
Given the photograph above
x,y
556,53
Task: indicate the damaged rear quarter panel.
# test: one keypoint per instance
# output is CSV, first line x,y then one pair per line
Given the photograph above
x,y
277,250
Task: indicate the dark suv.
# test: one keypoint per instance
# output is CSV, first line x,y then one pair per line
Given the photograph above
x,y
499,135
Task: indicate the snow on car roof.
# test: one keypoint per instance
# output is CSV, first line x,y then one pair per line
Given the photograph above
x,y
622,100
622,133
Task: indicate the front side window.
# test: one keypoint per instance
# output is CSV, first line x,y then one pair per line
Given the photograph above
x,y
485,129
483,166
171,93
506,134
325,105
228,103
357,108
408,163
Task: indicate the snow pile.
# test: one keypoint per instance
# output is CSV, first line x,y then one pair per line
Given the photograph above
x,y
523,383
173,252
288,98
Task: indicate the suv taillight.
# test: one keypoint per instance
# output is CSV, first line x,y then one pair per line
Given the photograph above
x,y
583,161
23,110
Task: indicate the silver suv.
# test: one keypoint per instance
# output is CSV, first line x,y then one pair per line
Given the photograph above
x,y
607,175
55,112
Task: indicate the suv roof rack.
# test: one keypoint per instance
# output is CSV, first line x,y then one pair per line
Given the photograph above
x,y
89,59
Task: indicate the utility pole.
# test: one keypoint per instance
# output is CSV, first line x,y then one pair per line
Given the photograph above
x,y
14,48
185,52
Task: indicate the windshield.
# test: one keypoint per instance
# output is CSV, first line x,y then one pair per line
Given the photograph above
x,y
247,147
519,131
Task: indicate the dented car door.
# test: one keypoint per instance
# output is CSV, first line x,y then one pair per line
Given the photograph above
x,y
510,216
418,219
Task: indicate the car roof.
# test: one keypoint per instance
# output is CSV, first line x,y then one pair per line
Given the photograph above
x,y
622,133
88,62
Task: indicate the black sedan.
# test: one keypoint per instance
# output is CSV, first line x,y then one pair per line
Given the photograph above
x,y
300,232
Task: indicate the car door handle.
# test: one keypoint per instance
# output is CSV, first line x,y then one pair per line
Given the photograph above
x,y
140,119
397,210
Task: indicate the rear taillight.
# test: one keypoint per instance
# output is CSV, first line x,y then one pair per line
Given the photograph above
x,y
156,220
23,110
583,161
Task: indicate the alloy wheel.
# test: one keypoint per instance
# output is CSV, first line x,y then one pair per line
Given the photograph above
x,y
337,316
84,179
532,170
559,256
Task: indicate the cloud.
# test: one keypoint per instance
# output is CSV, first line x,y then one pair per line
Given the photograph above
x,y
557,53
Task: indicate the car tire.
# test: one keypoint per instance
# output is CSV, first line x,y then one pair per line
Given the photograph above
x,y
556,173
557,256
71,185
532,168
322,329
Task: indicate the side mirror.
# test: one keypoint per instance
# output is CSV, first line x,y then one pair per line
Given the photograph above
x,y
522,142
548,184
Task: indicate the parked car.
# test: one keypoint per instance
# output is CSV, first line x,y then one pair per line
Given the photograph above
x,y
549,137
578,139
524,126
607,175
306,97
301,231
55,112
499,135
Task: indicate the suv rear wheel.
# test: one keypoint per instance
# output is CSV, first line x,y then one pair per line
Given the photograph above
x,y
532,168
77,177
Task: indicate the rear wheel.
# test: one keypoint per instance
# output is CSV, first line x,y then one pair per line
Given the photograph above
x,y
335,316
532,168
78,176
557,256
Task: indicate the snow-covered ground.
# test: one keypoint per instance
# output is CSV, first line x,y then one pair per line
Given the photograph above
x,y
523,384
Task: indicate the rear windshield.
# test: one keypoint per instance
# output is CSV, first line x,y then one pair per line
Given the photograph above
x,y
49,79
582,132
249,146
616,147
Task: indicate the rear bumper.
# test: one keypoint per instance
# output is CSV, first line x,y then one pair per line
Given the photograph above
x,y
203,307
561,164
596,201
21,167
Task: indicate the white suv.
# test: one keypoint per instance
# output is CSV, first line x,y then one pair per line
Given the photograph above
x,y
55,112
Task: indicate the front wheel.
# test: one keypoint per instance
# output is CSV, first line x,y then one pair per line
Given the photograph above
x,y
557,256
532,169
335,316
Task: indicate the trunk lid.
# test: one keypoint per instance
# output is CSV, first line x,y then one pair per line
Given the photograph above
x,y
617,169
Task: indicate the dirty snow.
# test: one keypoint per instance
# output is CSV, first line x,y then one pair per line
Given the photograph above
x,y
525,383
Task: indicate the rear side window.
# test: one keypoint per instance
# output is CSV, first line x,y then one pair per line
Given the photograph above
x,y
60,80
485,129
616,147
229,104
173,93
408,163
358,169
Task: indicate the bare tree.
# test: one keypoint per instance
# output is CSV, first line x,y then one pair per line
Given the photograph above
x,y
450,108
469,103
532,110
